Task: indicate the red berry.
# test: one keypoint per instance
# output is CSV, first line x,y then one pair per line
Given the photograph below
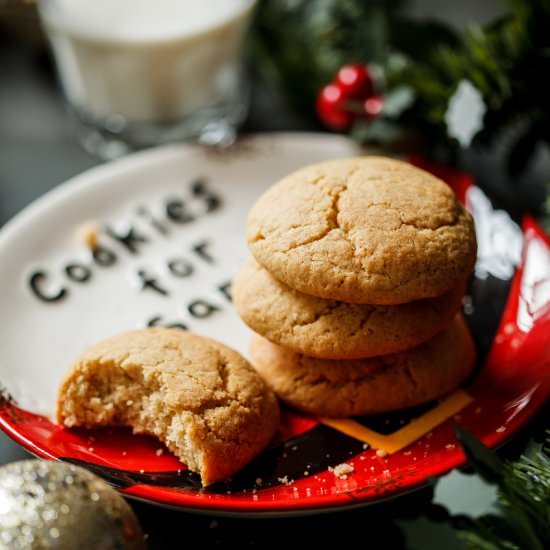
x,y
355,81
373,105
331,108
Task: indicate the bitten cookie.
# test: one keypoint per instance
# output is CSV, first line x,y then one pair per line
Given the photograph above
x,y
369,230
336,330
367,386
201,398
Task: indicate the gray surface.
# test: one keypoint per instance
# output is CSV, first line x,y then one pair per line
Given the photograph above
x,y
37,150
37,146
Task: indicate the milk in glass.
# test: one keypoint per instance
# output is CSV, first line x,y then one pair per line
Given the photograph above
x,y
151,70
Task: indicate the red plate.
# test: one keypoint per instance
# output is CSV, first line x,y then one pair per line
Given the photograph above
x,y
507,308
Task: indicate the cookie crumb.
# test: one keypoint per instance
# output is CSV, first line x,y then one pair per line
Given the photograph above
x,y
450,446
343,470
87,234
501,429
259,481
365,446
159,452
381,453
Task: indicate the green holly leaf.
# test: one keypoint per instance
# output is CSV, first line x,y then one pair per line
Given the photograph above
x,y
466,495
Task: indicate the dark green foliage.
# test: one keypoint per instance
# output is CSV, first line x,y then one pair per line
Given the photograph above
x,y
517,519
300,44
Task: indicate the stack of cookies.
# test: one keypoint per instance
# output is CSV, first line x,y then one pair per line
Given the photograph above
x,y
354,292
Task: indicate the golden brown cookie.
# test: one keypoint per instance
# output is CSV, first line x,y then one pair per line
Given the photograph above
x,y
366,386
369,230
336,330
201,398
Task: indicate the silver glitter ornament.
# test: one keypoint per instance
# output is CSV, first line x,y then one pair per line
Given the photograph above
x,y
57,505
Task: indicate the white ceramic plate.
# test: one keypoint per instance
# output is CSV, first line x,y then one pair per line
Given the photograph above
x,y
171,226
186,208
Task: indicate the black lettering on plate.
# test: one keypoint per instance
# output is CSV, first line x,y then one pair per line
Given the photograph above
x,y
129,240
180,267
225,289
149,282
176,210
103,256
157,322
157,224
199,188
200,250
201,309
79,273
35,282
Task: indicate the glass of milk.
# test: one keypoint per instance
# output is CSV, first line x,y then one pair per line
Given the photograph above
x,y
139,73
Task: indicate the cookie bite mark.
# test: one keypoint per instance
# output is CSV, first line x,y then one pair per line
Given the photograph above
x,y
199,397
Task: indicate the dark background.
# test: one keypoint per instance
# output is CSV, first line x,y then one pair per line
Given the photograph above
x,y
38,150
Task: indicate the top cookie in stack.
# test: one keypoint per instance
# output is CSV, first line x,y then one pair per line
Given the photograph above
x,y
366,230
355,258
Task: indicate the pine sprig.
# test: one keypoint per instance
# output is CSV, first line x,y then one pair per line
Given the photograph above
x,y
520,516
299,45
504,505
526,485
